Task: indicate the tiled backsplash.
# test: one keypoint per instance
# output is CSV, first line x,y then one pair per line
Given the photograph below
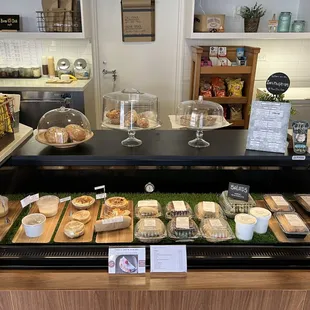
x,y
30,52
288,56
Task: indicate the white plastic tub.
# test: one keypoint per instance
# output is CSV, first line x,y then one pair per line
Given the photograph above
x,y
245,224
34,224
263,216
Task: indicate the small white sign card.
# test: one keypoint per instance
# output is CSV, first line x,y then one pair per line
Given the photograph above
x,y
268,126
126,260
168,258
101,195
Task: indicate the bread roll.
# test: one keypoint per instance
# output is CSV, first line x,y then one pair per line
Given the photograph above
x,y
82,216
143,122
116,223
56,135
76,132
74,229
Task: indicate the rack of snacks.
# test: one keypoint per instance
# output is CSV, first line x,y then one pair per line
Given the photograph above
x,y
226,75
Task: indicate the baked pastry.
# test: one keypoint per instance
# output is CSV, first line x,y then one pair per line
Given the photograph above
x,y
131,118
115,223
113,212
117,202
126,266
82,216
76,132
114,116
206,209
83,202
143,122
74,229
56,135
178,208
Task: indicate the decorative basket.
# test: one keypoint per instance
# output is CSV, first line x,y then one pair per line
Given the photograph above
x,y
251,24
6,123
59,20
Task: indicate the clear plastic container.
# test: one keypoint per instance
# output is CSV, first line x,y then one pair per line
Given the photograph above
x,y
64,128
292,224
34,224
304,201
231,206
216,230
177,209
48,205
150,230
277,203
4,206
148,208
183,229
208,209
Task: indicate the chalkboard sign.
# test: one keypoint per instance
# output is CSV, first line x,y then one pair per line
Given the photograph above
x,y
9,23
278,83
239,191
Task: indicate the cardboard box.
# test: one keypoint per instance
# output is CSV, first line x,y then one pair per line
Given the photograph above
x,y
138,20
209,23
9,23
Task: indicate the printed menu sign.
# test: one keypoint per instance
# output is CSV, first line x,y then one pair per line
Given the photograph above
x,y
268,126
278,83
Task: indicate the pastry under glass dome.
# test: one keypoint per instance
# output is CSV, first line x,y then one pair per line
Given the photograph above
x,y
200,116
63,128
130,110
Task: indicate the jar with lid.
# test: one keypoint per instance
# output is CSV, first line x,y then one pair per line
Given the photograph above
x,y
36,71
81,70
284,22
28,72
15,72
63,67
4,206
299,26
3,72
9,71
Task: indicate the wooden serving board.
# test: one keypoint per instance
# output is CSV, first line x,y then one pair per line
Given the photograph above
x,y
276,229
15,209
117,236
58,82
89,227
49,228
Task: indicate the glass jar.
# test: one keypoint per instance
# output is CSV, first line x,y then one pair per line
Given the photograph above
x,y
284,22
4,206
36,71
15,72
3,72
299,26
28,72
21,72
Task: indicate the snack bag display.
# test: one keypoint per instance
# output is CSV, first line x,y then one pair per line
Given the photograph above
x,y
234,87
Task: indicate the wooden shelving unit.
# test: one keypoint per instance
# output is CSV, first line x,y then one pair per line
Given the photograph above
x,y
246,73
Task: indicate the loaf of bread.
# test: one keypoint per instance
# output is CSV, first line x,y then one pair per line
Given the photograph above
x,y
56,135
76,132
116,223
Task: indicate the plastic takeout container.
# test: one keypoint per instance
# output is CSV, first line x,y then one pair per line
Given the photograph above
x,y
245,224
34,224
48,205
263,216
148,208
208,209
150,230
178,209
183,229
304,201
277,203
216,230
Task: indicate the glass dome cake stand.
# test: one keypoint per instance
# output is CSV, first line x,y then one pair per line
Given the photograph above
x,y
130,110
200,116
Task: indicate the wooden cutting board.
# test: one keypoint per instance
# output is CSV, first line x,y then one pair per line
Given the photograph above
x,y
117,236
60,82
49,228
15,209
89,227
276,229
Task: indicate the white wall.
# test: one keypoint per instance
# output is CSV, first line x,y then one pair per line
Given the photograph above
x,y
228,7
304,11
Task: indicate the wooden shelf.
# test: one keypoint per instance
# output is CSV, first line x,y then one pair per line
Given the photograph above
x,y
226,70
239,123
228,100
41,35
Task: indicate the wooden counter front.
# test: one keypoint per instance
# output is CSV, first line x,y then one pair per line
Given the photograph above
x,y
91,290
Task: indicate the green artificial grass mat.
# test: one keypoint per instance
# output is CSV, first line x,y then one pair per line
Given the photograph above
x,y
163,199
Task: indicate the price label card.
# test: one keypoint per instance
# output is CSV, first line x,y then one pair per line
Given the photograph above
x,y
34,198
101,196
65,199
299,158
149,223
116,219
148,203
239,191
168,258
26,201
127,260
279,201
100,187
208,206
179,205
215,223
182,222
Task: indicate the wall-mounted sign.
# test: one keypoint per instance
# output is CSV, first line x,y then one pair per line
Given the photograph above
x,y
278,83
268,126
9,23
138,18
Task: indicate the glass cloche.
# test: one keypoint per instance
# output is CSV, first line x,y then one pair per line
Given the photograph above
x,y
63,128
200,116
132,111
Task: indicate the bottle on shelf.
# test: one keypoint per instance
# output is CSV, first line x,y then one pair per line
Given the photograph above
x,y
44,66
51,67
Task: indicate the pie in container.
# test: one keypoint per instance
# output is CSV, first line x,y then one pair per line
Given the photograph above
x,y
116,202
83,202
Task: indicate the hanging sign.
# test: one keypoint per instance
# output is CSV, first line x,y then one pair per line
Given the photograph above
x,y
278,83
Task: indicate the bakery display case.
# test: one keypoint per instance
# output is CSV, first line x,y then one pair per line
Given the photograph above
x,y
186,204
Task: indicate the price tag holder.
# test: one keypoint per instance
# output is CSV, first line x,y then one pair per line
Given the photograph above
x,y
26,201
34,198
126,261
101,195
299,158
65,199
238,191
168,259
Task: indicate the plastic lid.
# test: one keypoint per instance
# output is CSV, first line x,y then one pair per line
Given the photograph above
x,y
246,219
260,212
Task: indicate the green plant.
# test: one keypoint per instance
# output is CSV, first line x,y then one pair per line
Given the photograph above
x,y
257,11
265,96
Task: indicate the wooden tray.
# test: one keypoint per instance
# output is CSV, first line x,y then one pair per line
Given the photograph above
x,y
276,229
89,227
58,82
117,236
50,225
15,209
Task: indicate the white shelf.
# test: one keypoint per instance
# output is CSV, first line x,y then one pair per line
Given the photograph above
x,y
250,36
41,35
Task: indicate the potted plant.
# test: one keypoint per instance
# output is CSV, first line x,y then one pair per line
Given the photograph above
x,y
252,17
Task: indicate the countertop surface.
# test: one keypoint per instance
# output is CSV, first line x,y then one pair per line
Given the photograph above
x,y
159,148
41,85
295,93
20,137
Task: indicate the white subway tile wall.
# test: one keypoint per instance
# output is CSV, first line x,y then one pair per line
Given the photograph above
x,y
288,56
30,52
